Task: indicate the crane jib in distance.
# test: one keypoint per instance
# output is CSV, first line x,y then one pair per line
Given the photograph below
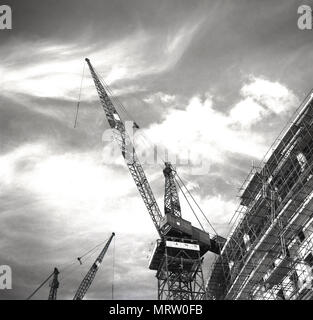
x,y
87,281
54,285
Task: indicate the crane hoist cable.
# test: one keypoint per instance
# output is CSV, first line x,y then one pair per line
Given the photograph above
x,y
189,204
94,248
79,96
194,200
73,265
88,253
113,269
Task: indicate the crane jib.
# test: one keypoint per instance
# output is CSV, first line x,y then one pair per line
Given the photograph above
x,y
122,138
87,281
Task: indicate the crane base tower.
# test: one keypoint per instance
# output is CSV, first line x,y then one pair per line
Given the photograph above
x,y
179,269
177,259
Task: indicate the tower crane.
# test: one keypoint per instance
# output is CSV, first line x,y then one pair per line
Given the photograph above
x,y
88,279
54,285
177,256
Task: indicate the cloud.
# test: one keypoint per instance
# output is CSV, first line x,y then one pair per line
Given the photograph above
x,y
246,112
262,98
217,209
201,132
274,96
204,133
55,70
178,42
73,182
63,197
160,97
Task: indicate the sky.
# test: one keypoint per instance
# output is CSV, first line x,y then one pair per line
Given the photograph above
x,y
212,80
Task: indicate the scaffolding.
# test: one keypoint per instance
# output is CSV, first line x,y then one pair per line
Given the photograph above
x,y
269,253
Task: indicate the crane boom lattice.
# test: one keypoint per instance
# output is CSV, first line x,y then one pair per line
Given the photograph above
x,y
124,141
87,281
54,285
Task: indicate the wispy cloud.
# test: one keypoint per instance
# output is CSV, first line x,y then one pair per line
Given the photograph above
x,y
55,69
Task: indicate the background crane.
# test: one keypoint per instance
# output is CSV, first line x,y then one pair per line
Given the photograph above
x,y
88,279
54,285
177,256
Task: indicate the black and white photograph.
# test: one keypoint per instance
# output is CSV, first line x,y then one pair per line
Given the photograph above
x,y
156,150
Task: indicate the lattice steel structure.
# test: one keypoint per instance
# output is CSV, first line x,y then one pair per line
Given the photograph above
x,y
89,277
180,275
54,285
269,253
171,198
124,141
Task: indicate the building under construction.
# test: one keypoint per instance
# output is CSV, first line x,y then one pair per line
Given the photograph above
x,y
269,253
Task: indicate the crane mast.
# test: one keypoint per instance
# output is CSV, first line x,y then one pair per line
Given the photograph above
x,y
171,198
128,151
87,281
